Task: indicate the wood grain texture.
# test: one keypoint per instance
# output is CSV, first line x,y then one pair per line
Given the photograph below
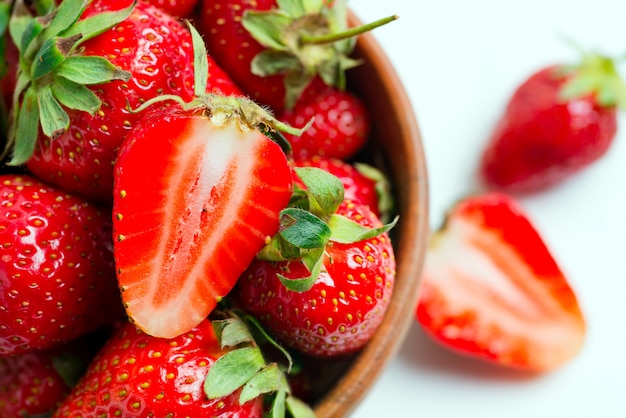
x,y
396,143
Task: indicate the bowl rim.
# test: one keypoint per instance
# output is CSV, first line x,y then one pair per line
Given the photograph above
x,y
369,363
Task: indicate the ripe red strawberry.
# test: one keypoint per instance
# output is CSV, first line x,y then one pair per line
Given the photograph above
x,y
58,277
362,183
492,290
558,121
29,385
188,223
82,127
280,52
136,375
323,285
341,124
34,384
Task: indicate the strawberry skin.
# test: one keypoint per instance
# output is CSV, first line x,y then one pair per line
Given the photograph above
x,y
188,222
492,290
136,375
29,385
56,264
341,311
221,22
341,124
542,138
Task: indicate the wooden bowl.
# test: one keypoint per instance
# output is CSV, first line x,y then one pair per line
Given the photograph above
x,y
396,145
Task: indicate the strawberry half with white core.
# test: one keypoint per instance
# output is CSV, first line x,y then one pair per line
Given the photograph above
x,y
492,290
198,189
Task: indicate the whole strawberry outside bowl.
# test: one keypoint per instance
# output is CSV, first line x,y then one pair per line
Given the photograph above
x,y
396,147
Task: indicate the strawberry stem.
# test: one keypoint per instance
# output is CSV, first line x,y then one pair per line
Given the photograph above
x,y
350,33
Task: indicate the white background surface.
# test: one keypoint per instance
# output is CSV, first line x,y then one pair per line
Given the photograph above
x,y
459,62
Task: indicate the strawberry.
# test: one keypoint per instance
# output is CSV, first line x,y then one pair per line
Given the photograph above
x,y
280,50
187,224
327,296
492,290
136,375
56,264
340,128
362,183
558,121
127,54
34,384
29,385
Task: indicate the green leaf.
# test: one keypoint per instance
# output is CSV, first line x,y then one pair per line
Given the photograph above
x,y
269,379
18,25
271,62
231,332
382,186
54,119
27,128
298,409
90,70
75,96
66,14
314,260
5,13
95,25
294,8
345,231
303,229
324,188
278,405
50,56
596,75
232,370
267,27
30,29
200,62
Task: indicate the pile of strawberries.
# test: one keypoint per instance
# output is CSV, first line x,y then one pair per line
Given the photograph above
x,y
182,230
185,232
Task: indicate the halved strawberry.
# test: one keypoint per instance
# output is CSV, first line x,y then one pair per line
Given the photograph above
x,y
492,290
197,193
188,222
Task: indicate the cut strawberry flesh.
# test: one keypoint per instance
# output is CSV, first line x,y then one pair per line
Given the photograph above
x,y
193,206
491,289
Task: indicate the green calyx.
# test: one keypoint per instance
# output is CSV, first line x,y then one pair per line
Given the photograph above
x,y
52,75
303,39
595,75
244,367
310,223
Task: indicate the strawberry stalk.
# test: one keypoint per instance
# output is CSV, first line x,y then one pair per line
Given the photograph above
x,y
303,40
350,33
